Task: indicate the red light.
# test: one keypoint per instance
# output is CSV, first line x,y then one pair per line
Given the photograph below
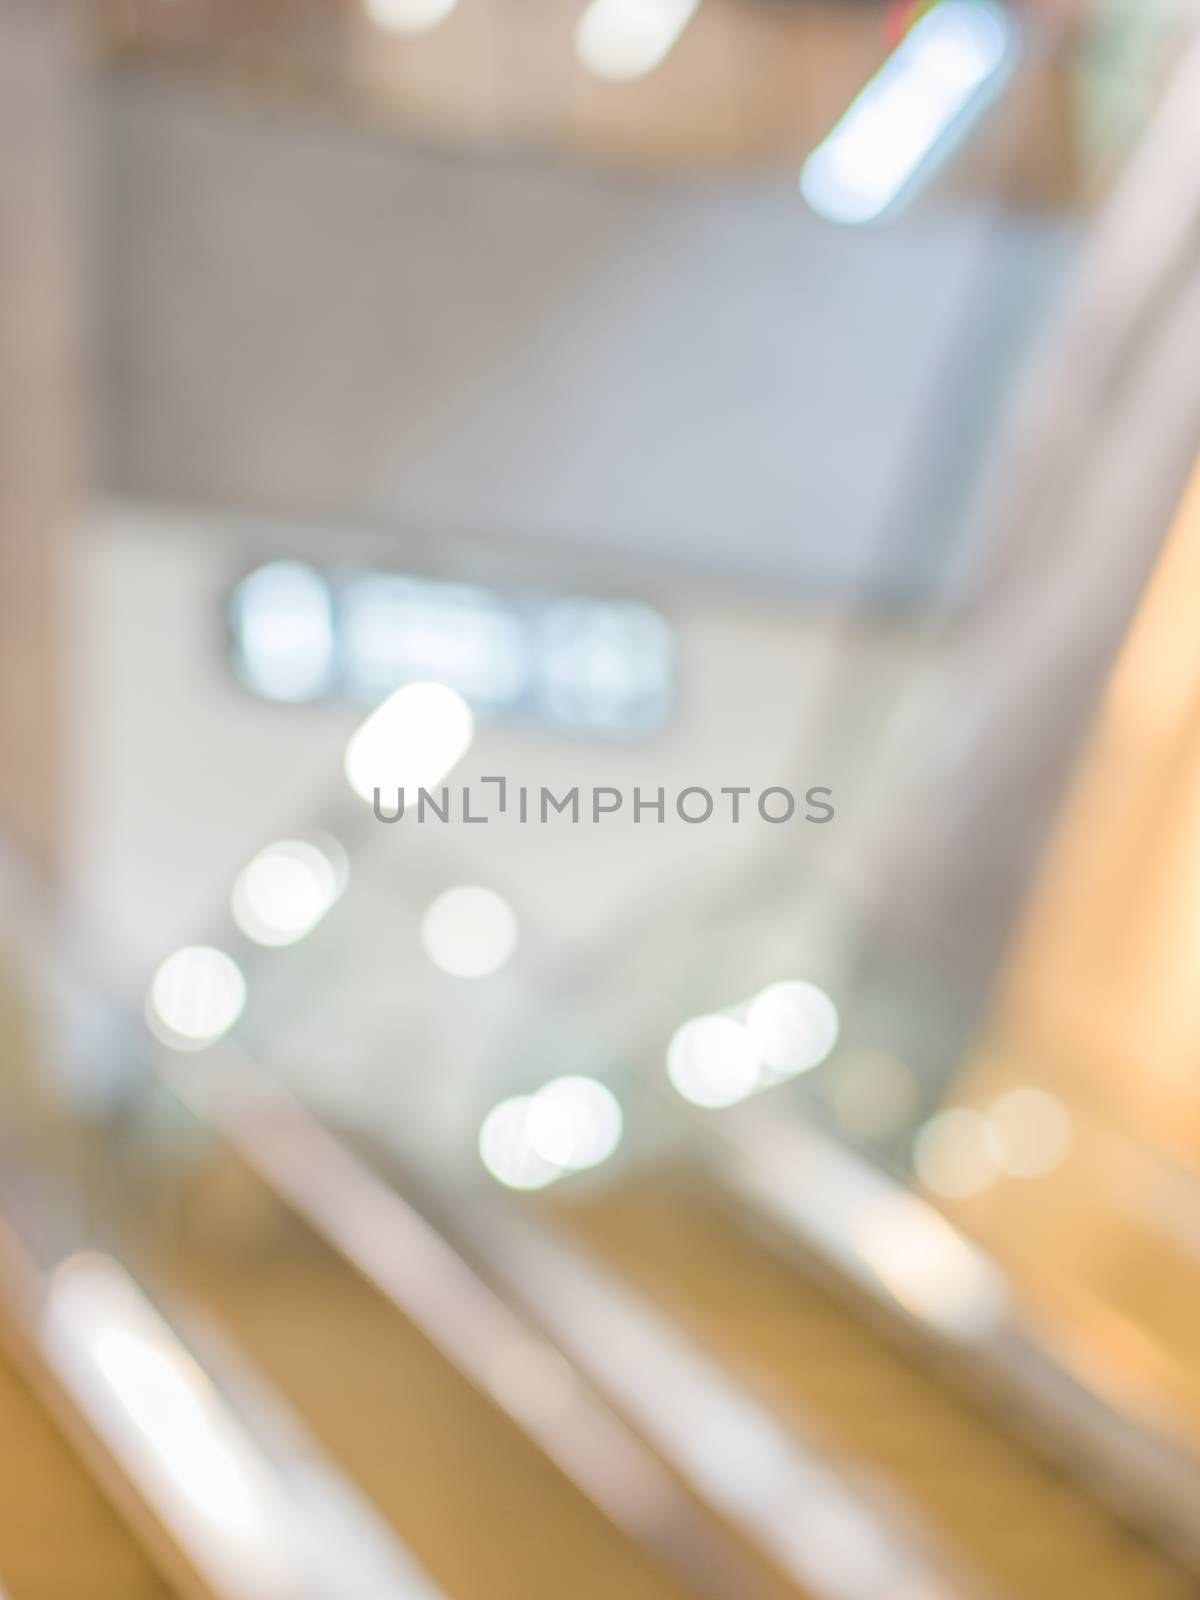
x,y
900,16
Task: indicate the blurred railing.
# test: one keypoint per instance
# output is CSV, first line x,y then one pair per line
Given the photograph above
x,y
1058,1363
229,1499
650,1429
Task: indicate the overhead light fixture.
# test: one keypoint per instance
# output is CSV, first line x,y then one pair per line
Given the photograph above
x,y
793,1027
408,16
934,86
584,663
956,1153
394,629
531,1140
411,741
712,1062
507,1151
469,931
1034,1131
574,1122
286,889
196,995
625,39
282,620
717,1060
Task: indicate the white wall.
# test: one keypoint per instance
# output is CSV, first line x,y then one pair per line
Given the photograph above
x,y
178,775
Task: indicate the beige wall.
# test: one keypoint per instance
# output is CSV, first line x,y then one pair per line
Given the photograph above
x,y
39,367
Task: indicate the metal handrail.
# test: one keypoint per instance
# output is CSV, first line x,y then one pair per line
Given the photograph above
x,y
670,1447
1024,1341
217,1481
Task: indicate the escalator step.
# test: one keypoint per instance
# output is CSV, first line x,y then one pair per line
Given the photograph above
x,y
479,1506
991,1503
60,1539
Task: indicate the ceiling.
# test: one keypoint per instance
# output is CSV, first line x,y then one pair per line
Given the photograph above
x,y
617,373
749,83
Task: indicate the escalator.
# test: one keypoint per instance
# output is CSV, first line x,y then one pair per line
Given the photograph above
x,y
623,1385
60,1536
472,1442
304,1257
445,1374
986,1497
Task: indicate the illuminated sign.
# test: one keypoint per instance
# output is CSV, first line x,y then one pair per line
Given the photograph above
x,y
587,665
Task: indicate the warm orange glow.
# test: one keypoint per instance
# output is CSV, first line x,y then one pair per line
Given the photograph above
x,y
1098,1008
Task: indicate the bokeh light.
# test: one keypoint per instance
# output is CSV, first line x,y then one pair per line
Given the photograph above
x,y
626,39
955,1153
285,890
575,1122
408,16
196,995
793,1027
409,742
281,617
712,1062
469,931
945,71
1033,1132
507,1151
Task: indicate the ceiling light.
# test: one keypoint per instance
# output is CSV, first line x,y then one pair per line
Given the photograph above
x,y
411,741
955,1153
793,1027
408,16
626,39
948,68
284,891
574,1122
712,1062
507,1151
196,995
281,617
469,932
1033,1131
